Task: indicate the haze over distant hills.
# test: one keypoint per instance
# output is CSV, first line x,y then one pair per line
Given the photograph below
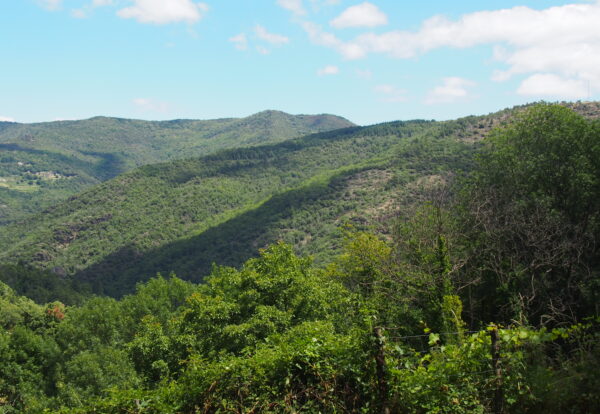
x,y
43,163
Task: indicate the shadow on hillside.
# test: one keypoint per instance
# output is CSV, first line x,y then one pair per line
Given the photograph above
x,y
230,243
107,165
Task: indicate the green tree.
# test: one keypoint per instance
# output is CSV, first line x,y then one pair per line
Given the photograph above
x,y
269,295
533,217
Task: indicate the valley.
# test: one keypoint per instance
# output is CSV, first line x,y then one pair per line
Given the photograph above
x,y
43,163
275,275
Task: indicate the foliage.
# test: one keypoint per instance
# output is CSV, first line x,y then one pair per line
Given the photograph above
x,y
44,163
227,205
400,321
280,335
42,286
532,217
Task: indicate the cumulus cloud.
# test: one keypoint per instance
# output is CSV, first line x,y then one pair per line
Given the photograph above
x,y
274,39
561,40
6,119
150,105
452,90
163,12
391,93
240,41
320,37
295,6
549,85
328,70
362,15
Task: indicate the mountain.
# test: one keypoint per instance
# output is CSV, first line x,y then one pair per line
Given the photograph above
x,y
491,276
43,163
184,215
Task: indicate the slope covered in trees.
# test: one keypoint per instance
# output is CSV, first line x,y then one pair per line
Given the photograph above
x,y
184,215
482,296
43,163
281,335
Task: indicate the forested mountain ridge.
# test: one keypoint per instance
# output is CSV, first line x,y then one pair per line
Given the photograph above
x,y
482,297
43,163
184,215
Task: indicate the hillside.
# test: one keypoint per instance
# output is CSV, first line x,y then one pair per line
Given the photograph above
x,y
184,215
43,163
482,297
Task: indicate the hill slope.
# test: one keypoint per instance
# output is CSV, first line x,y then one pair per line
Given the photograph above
x,y
47,162
183,215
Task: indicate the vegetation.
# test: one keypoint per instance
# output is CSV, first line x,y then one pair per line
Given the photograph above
x,y
44,163
533,210
481,297
43,286
184,215
280,335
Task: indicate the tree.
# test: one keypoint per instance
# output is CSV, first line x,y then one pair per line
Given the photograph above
x,y
533,215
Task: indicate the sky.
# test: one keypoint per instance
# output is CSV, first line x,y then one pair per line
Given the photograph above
x,y
368,61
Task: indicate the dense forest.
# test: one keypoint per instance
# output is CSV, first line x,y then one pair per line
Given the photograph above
x,y
44,163
184,215
413,267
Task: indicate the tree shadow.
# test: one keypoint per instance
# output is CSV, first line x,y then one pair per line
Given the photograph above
x,y
230,243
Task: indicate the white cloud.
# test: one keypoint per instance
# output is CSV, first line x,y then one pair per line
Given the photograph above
x,y
320,37
150,105
50,4
295,6
6,119
391,93
328,70
100,3
561,40
549,85
163,12
274,39
362,15
452,90
240,41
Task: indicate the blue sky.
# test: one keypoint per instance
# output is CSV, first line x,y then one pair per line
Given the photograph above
x,y
370,62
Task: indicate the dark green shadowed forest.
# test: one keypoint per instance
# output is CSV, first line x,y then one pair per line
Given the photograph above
x,y
416,267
